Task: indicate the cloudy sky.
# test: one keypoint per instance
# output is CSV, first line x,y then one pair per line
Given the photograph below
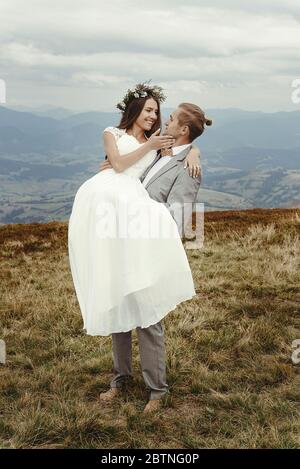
x,y
83,55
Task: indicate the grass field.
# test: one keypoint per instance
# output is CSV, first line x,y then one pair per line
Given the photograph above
x,y
232,381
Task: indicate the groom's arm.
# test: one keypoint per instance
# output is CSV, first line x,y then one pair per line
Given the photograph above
x,y
181,198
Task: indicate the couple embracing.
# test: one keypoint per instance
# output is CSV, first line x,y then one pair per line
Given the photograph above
x,y
127,260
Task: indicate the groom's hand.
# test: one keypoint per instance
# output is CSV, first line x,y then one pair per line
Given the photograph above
x,y
105,165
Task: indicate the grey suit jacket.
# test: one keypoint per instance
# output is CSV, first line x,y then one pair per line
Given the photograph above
x,y
173,186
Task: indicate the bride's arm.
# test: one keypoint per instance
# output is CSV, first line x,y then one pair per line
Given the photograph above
x,y
192,160
122,162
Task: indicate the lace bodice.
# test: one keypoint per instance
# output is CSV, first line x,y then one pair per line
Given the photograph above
x,y
127,143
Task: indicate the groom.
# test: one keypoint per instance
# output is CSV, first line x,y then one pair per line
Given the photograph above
x,y
166,181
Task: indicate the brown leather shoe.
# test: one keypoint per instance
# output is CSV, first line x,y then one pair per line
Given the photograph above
x,y
109,395
152,406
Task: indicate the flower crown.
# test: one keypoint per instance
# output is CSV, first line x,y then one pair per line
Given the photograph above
x,y
142,90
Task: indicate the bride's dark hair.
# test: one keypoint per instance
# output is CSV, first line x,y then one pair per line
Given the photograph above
x,y
132,112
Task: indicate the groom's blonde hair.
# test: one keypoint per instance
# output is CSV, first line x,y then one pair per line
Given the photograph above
x,y
192,116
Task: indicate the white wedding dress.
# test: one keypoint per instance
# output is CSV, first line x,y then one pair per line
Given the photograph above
x,y
128,264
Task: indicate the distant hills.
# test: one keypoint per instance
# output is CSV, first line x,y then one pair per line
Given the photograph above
x,y
249,159
232,129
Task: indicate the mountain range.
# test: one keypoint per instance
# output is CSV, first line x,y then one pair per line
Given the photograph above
x,y
249,159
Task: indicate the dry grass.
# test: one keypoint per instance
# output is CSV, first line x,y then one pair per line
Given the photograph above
x,y
230,372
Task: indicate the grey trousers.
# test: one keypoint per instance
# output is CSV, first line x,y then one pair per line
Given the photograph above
x,y
152,356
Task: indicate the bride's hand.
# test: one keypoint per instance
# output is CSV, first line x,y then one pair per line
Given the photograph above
x,y
158,142
105,165
193,162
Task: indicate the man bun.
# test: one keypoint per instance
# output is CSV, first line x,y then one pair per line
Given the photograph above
x,y
194,117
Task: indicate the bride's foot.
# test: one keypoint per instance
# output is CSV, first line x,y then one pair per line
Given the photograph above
x,y
109,395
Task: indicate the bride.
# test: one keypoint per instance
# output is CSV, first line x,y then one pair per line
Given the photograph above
x,y
128,264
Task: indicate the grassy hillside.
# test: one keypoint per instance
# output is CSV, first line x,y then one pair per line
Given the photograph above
x,y
229,366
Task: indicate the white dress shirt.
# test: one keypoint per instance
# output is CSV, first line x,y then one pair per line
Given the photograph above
x,y
162,161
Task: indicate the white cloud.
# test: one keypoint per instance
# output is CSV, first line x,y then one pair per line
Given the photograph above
x,y
217,45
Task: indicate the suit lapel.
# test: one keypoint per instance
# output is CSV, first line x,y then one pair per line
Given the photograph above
x,y
173,162
158,156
